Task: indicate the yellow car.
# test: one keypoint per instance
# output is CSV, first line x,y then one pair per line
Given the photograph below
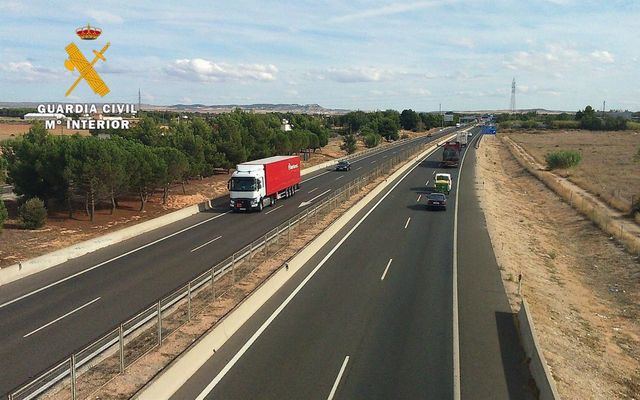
x,y
443,183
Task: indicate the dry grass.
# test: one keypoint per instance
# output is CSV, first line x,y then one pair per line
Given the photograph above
x,y
583,288
11,130
607,169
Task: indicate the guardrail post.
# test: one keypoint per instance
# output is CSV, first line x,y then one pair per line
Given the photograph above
x,y
266,244
72,361
121,343
189,301
213,288
233,268
159,323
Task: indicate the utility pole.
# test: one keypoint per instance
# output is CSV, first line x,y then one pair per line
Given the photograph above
x,y
441,115
513,96
604,103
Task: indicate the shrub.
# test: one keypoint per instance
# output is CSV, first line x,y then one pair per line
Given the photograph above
x,y
3,214
562,159
33,213
561,124
372,140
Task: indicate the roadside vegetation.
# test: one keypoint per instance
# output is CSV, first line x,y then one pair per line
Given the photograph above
x,y
562,159
587,119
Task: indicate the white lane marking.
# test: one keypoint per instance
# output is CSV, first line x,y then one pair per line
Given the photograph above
x,y
456,321
312,190
317,176
359,168
386,269
64,316
337,382
434,172
385,156
419,197
84,271
204,244
407,224
306,203
274,209
340,177
293,294
427,184
373,161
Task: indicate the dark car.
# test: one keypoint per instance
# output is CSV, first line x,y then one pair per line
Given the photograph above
x,y
436,201
343,166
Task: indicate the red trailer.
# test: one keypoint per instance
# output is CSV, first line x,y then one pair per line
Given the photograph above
x,y
451,154
259,183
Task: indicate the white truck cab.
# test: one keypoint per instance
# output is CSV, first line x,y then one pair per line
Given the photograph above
x,y
248,184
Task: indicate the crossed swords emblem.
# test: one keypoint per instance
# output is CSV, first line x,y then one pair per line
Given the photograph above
x,y
77,61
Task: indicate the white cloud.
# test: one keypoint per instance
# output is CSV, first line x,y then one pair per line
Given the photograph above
x,y
603,56
389,9
198,69
355,74
105,17
26,71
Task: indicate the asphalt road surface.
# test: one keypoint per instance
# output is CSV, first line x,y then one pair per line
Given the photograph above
x,y
375,321
47,316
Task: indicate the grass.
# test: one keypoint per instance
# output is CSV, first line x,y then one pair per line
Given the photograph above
x,y
607,169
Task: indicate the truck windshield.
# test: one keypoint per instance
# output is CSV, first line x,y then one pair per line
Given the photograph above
x,y
243,185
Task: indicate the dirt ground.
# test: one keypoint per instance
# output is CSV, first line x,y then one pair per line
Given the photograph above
x,y
18,244
607,169
583,288
10,130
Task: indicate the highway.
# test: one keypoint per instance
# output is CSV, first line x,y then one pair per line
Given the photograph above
x,y
48,315
376,318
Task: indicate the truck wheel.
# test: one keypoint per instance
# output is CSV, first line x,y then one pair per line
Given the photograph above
x,y
260,205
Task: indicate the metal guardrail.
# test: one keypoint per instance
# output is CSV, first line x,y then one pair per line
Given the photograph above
x,y
86,370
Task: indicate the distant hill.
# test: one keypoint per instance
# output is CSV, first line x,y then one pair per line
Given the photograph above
x,y
202,108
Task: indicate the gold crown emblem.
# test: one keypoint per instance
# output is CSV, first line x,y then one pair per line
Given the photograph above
x,y
88,32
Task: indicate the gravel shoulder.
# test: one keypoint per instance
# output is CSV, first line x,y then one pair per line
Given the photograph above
x,y
583,288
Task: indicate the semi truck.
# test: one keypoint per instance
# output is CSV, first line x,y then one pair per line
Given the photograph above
x,y
461,137
451,154
260,183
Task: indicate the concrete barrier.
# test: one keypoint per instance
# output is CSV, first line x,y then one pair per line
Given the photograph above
x,y
537,363
169,380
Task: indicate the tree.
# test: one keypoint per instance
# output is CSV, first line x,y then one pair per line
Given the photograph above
x,y
33,213
147,171
3,214
3,168
177,166
355,120
349,144
388,128
409,119
371,140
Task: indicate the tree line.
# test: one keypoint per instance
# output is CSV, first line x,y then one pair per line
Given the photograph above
x,y
587,119
148,157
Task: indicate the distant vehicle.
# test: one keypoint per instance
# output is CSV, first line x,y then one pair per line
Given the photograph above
x,y
443,183
469,134
451,154
461,138
458,125
257,184
343,165
436,200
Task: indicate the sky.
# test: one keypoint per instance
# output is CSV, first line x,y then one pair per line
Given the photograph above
x,y
357,54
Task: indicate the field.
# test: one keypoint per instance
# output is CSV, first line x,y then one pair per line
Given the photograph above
x,y
607,169
582,287
10,130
